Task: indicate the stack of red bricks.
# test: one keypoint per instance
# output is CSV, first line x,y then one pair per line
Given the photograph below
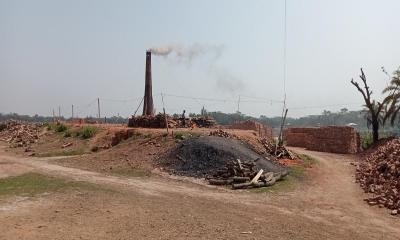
x,y
264,131
335,139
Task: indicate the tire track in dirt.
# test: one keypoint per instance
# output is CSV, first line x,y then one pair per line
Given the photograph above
x,y
330,197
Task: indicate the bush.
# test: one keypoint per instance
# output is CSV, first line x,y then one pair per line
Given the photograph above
x,y
179,136
88,132
60,128
67,133
367,140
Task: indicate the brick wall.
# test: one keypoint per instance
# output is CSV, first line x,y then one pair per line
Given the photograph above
x,y
335,139
263,130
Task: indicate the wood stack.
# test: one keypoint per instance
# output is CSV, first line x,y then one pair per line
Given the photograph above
x,y
244,175
222,133
203,122
148,121
276,150
379,175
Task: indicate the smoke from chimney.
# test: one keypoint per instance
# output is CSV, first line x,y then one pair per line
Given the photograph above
x,y
187,54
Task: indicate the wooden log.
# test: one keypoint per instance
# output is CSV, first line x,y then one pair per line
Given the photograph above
x,y
255,179
240,179
220,181
268,176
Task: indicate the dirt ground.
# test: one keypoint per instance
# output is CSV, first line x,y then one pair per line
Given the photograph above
x,y
328,206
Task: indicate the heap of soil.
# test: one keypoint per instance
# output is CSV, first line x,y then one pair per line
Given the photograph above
x,y
203,156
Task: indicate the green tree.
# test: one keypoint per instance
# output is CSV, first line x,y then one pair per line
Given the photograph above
x,y
392,106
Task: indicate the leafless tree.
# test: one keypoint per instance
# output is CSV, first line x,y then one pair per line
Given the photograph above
x,y
376,110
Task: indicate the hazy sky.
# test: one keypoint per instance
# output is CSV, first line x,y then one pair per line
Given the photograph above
x,y
57,53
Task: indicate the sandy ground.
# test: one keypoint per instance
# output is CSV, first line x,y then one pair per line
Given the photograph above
x,y
329,206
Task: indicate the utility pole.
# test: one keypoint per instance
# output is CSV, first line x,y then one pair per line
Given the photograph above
x,y
238,105
72,115
54,116
280,139
59,112
98,107
165,115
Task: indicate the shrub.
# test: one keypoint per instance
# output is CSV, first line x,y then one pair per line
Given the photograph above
x,y
179,136
88,132
60,128
67,133
367,140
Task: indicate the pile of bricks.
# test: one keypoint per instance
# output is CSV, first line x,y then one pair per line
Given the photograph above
x,y
379,175
264,131
19,134
335,139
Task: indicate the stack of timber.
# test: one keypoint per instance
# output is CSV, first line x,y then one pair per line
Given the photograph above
x,y
277,151
203,122
149,121
158,121
222,133
244,175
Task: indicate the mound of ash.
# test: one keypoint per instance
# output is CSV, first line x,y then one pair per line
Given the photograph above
x,y
205,156
379,175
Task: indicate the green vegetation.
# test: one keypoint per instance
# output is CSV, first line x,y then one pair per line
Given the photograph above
x,y
85,132
366,140
88,132
62,153
297,174
308,161
147,135
131,172
179,136
31,184
60,128
67,133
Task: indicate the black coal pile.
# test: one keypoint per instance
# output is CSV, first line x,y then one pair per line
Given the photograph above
x,y
206,156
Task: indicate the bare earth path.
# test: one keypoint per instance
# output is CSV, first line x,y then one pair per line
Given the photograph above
x,y
329,206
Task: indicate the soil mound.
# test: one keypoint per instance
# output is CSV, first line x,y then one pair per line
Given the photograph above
x,y
203,156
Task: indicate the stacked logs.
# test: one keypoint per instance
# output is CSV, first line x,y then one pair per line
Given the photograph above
x,y
379,175
276,150
244,175
148,121
202,122
222,133
158,121
19,134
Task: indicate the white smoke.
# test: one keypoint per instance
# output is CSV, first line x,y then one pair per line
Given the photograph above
x,y
188,53
224,79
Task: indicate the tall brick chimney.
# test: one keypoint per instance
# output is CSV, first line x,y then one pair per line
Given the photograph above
x,y
148,107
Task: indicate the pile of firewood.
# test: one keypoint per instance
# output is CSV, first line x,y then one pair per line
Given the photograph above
x,y
222,133
202,122
379,175
156,121
244,175
276,150
19,134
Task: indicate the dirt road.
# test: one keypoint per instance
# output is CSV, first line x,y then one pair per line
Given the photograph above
x,y
329,206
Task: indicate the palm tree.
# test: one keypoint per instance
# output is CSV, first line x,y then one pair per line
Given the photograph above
x,y
392,106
